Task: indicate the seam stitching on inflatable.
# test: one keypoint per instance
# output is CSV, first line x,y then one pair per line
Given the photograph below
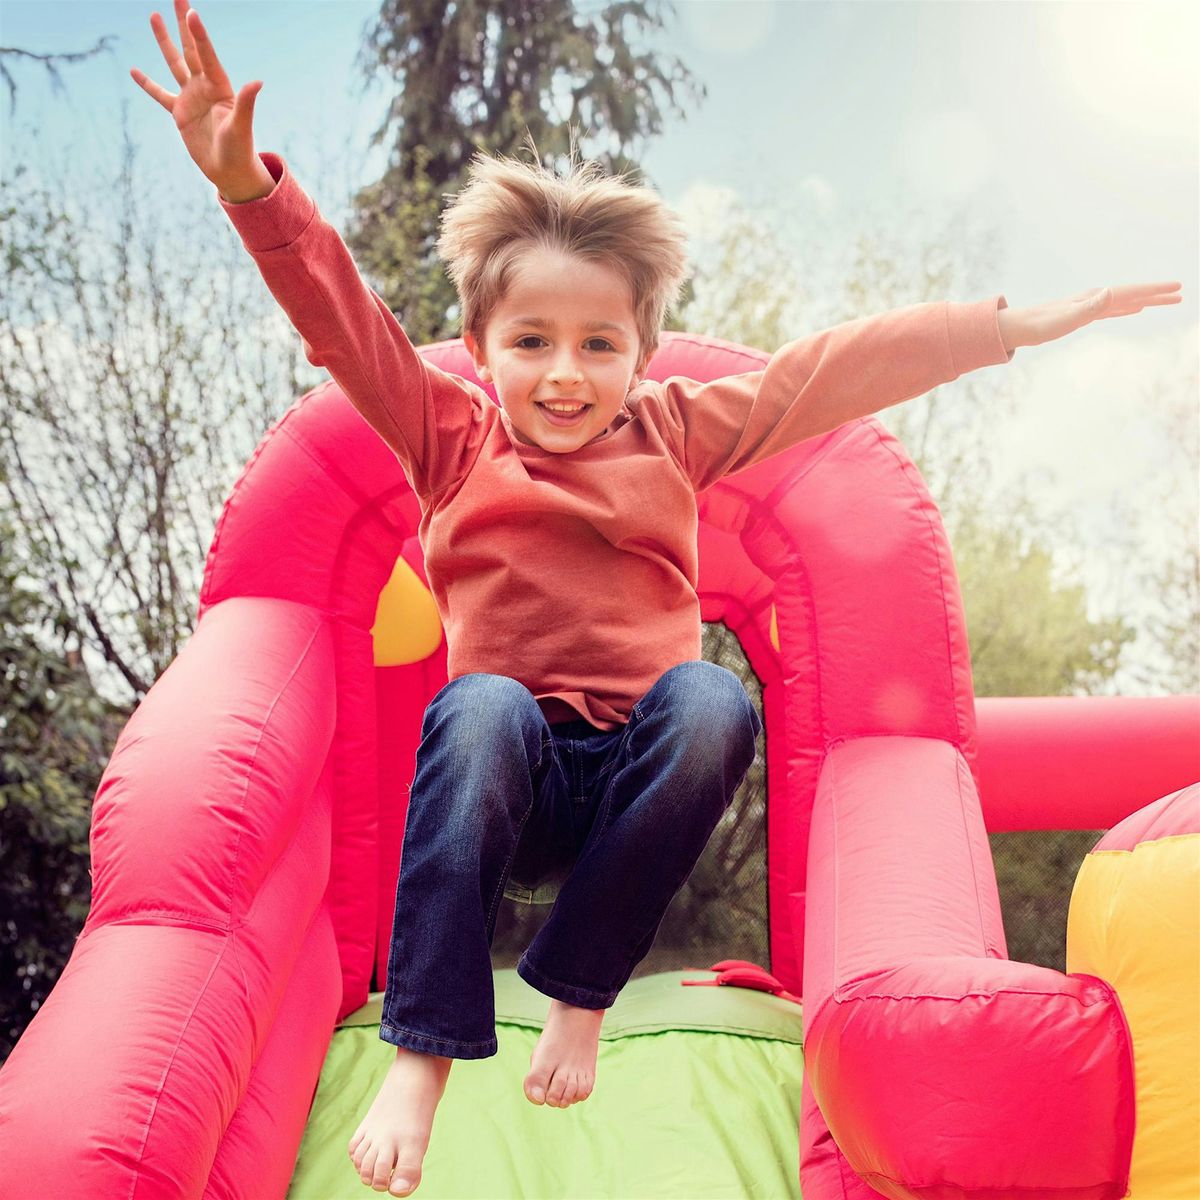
x,y
831,766
987,994
254,757
331,472
937,549
239,483
962,812
158,1091
1167,837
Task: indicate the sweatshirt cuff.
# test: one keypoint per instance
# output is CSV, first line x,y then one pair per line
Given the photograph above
x,y
974,329
276,219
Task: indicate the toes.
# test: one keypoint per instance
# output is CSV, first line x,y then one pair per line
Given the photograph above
x,y
366,1166
405,1177
535,1086
557,1090
383,1169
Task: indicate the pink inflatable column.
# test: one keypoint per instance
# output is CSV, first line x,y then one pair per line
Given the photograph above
x,y
934,1067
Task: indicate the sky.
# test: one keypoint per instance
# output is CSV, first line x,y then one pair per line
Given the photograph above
x,y
1070,128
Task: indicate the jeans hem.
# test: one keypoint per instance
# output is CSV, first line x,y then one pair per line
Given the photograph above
x,y
444,1047
581,997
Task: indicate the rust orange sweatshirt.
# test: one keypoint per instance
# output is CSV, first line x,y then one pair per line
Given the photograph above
x,y
576,574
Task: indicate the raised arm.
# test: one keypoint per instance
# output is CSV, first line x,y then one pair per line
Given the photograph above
x,y
424,414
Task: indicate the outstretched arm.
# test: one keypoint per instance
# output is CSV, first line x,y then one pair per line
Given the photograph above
x,y
816,383
1045,322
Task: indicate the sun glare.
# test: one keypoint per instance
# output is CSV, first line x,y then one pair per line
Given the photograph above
x,y
1133,64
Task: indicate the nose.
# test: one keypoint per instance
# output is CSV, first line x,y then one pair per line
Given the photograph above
x,y
565,370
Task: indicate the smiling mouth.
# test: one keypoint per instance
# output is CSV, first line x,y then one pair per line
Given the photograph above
x,y
562,418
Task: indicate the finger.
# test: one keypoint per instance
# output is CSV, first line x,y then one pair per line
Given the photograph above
x,y
207,55
243,107
185,36
1142,291
1133,297
175,60
1125,310
148,85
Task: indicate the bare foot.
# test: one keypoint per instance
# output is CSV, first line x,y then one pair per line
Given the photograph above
x,y
394,1134
563,1065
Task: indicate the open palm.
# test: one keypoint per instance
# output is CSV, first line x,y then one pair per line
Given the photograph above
x,y
214,123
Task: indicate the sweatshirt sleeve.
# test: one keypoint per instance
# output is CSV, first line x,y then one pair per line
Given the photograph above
x,y
816,383
423,413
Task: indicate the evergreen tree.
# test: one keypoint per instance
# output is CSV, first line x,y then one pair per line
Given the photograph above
x,y
485,75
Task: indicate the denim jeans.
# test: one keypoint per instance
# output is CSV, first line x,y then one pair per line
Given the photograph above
x,y
502,802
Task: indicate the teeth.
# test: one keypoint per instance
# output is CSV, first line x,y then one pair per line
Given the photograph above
x,y
563,408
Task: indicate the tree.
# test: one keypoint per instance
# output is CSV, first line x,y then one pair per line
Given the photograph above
x,y
479,75
55,735
1173,624
49,61
134,383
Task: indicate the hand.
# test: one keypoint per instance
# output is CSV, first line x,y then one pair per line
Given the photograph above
x,y
1045,322
214,124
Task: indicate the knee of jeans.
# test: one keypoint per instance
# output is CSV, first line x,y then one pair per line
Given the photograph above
x,y
488,709
710,700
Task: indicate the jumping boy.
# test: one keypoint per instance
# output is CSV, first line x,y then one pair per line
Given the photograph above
x,y
580,739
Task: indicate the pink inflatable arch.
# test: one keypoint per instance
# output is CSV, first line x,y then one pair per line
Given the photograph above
x,y
247,832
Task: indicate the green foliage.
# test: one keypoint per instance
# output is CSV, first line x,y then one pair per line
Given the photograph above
x,y
484,75
1030,635
55,735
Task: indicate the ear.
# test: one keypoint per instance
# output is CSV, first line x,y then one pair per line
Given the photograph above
x,y
639,372
481,367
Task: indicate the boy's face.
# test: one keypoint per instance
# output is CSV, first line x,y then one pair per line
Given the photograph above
x,y
538,348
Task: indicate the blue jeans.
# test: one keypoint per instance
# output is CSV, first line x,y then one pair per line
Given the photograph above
x,y
502,800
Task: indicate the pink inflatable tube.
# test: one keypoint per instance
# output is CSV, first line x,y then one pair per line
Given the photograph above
x,y
246,839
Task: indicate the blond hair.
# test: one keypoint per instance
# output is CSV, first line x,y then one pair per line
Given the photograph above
x,y
509,207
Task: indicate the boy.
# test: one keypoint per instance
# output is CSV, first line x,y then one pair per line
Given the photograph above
x,y
580,739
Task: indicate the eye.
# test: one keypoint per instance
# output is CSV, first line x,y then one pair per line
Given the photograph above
x,y
532,337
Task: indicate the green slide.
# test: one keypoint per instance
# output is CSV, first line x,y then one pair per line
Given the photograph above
x,y
697,1095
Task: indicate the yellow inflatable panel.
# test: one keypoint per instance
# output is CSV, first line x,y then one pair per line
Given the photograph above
x,y
1134,921
407,626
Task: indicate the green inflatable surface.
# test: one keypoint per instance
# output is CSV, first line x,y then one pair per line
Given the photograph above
x,y
697,1094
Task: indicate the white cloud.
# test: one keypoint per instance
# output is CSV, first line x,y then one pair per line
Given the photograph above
x,y
705,209
821,195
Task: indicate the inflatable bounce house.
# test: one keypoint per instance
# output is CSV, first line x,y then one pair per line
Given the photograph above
x,y
215,1032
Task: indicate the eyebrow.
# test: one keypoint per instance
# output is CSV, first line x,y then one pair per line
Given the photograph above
x,y
542,323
